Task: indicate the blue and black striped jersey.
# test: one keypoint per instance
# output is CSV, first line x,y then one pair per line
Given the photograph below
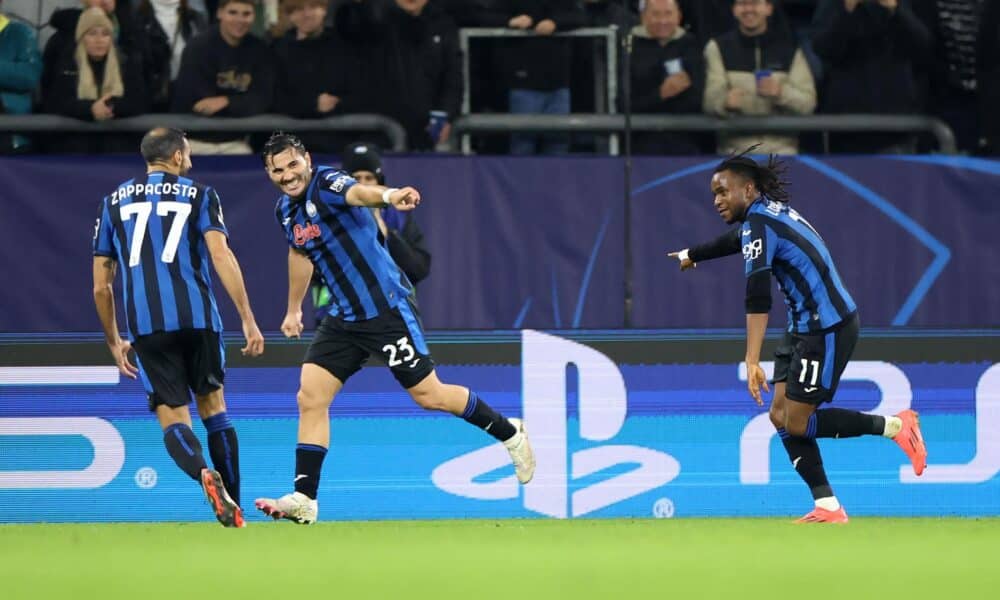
x,y
343,244
776,237
154,227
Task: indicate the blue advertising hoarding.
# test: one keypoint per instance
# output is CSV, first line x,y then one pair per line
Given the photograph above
x,y
620,428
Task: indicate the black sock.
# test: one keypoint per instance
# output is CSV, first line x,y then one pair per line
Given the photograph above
x,y
185,449
482,416
805,457
308,464
842,423
224,449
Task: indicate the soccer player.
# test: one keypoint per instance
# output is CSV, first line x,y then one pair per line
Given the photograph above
x,y
326,219
163,228
822,324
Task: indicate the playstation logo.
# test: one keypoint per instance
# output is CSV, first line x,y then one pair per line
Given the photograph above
x,y
556,488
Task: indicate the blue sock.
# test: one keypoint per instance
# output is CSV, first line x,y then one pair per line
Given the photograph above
x,y
478,413
308,465
224,448
185,449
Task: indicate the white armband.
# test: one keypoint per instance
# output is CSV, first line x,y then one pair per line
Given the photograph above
x,y
683,255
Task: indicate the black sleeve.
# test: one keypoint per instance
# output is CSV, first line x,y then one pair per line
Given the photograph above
x,y
834,27
450,93
137,97
724,245
758,298
567,15
408,250
912,33
196,77
689,101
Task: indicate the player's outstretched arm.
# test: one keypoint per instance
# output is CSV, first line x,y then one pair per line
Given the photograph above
x,y
377,196
231,276
756,326
724,245
104,299
300,270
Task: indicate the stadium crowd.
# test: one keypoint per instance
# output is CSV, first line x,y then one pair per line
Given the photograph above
x,y
107,59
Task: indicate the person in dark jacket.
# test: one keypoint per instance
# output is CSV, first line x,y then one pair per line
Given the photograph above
x,y
225,72
871,51
537,68
403,62
167,26
668,76
20,70
64,22
310,70
988,68
94,81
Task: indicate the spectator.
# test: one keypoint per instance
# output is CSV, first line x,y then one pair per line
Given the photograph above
x,y
167,26
225,72
988,73
404,63
310,68
537,68
756,70
399,230
668,76
64,22
952,75
20,70
707,19
871,51
95,81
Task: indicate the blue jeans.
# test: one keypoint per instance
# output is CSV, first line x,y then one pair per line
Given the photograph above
x,y
555,102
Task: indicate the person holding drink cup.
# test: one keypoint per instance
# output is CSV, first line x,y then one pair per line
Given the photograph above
x,y
757,70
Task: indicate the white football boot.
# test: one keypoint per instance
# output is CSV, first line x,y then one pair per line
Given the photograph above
x,y
295,507
521,453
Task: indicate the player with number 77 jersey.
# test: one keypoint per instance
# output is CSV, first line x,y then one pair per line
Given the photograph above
x,y
163,228
327,221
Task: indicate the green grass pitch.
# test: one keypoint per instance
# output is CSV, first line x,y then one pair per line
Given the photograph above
x,y
953,559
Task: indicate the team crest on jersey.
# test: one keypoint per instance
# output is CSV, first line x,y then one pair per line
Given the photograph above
x,y
310,208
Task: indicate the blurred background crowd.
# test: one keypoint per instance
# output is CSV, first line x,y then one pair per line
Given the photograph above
x,y
98,60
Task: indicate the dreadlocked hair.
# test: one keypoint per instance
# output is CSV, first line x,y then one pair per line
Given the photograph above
x,y
769,180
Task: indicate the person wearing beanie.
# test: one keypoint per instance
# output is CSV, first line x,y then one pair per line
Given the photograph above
x,y
94,82
398,230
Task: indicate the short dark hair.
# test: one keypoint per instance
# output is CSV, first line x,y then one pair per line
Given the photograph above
x,y
278,143
159,144
224,3
766,178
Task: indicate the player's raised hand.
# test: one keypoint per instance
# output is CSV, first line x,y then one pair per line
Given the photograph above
x,y
755,380
255,340
120,353
682,256
405,199
292,325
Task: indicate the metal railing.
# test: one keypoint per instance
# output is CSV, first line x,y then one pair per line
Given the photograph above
x,y
39,123
605,82
601,123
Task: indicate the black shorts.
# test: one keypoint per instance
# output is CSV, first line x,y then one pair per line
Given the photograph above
x,y
811,364
395,337
173,364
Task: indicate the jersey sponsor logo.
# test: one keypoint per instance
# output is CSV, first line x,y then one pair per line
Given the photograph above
x,y
752,250
304,234
555,491
337,182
